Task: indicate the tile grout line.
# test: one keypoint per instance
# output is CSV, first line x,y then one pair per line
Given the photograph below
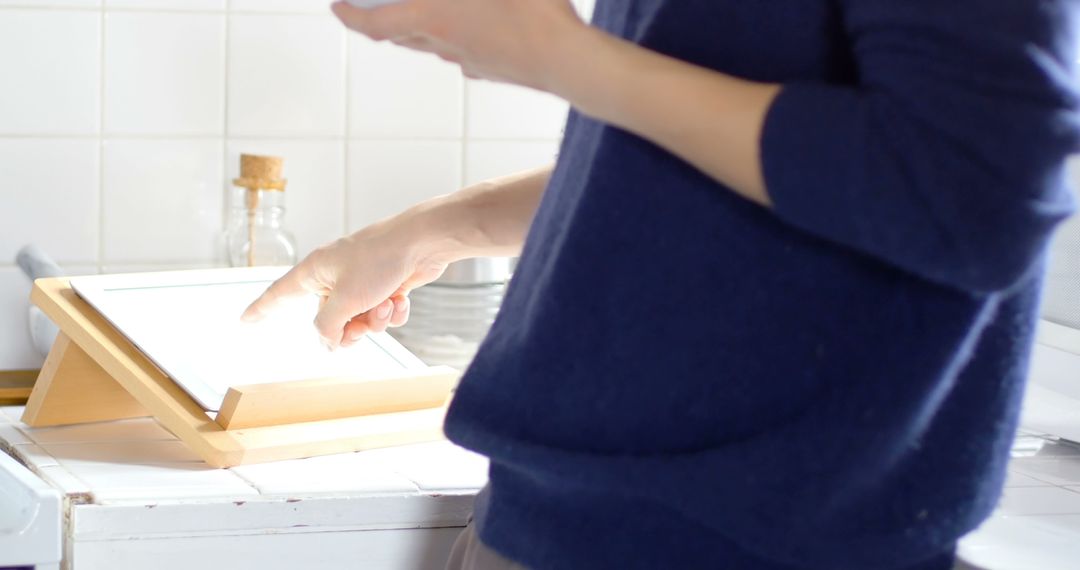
x,y
245,480
172,11
101,141
224,185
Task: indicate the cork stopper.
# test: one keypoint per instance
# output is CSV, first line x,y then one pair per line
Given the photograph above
x,y
260,172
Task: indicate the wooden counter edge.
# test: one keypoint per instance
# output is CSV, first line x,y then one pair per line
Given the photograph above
x,y
16,385
281,403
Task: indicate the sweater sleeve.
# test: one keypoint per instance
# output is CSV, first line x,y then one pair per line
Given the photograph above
x,y
945,156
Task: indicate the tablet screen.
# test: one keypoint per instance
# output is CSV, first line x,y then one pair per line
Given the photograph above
x,y
188,323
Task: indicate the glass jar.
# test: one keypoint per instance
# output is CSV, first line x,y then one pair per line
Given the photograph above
x,y
254,229
255,232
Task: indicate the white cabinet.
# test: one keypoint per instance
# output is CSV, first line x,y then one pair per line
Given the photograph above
x,y
29,518
134,497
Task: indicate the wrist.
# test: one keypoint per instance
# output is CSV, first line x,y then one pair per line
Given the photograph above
x,y
563,49
438,231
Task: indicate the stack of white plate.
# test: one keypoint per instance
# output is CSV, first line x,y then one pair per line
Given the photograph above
x,y
450,317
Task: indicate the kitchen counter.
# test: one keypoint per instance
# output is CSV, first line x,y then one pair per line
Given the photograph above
x,y
1037,523
134,497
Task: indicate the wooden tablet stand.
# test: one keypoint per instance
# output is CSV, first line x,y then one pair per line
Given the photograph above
x,y
94,373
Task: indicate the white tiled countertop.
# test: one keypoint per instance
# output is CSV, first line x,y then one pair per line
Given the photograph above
x,y
136,497
30,520
1037,523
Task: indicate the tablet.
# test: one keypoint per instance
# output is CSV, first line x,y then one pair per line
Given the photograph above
x,y
188,323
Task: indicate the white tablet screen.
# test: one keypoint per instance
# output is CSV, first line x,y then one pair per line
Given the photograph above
x,y
188,323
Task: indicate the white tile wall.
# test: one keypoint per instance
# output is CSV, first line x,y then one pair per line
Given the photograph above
x,y
162,200
298,6
499,111
490,159
168,4
164,73
52,72
16,352
388,176
315,196
121,122
398,93
286,75
53,3
51,196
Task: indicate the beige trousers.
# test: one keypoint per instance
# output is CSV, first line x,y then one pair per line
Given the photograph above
x,y
469,553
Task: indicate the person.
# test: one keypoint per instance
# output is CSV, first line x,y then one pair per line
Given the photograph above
x,y
775,299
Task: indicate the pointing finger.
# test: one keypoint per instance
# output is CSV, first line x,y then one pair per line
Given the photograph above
x,y
295,283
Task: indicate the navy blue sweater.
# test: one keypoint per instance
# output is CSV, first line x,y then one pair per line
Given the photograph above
x,y
682,379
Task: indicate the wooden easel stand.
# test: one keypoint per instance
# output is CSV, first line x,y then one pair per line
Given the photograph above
x,y
93,373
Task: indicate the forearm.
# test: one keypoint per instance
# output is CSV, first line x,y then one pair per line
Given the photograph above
x,y
904,164
711,120
486,219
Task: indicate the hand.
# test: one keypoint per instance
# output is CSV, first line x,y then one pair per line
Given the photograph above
x,y
364,280
512,41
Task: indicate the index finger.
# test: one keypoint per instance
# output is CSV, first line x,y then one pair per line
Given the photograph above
x,y
381,22
295,283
